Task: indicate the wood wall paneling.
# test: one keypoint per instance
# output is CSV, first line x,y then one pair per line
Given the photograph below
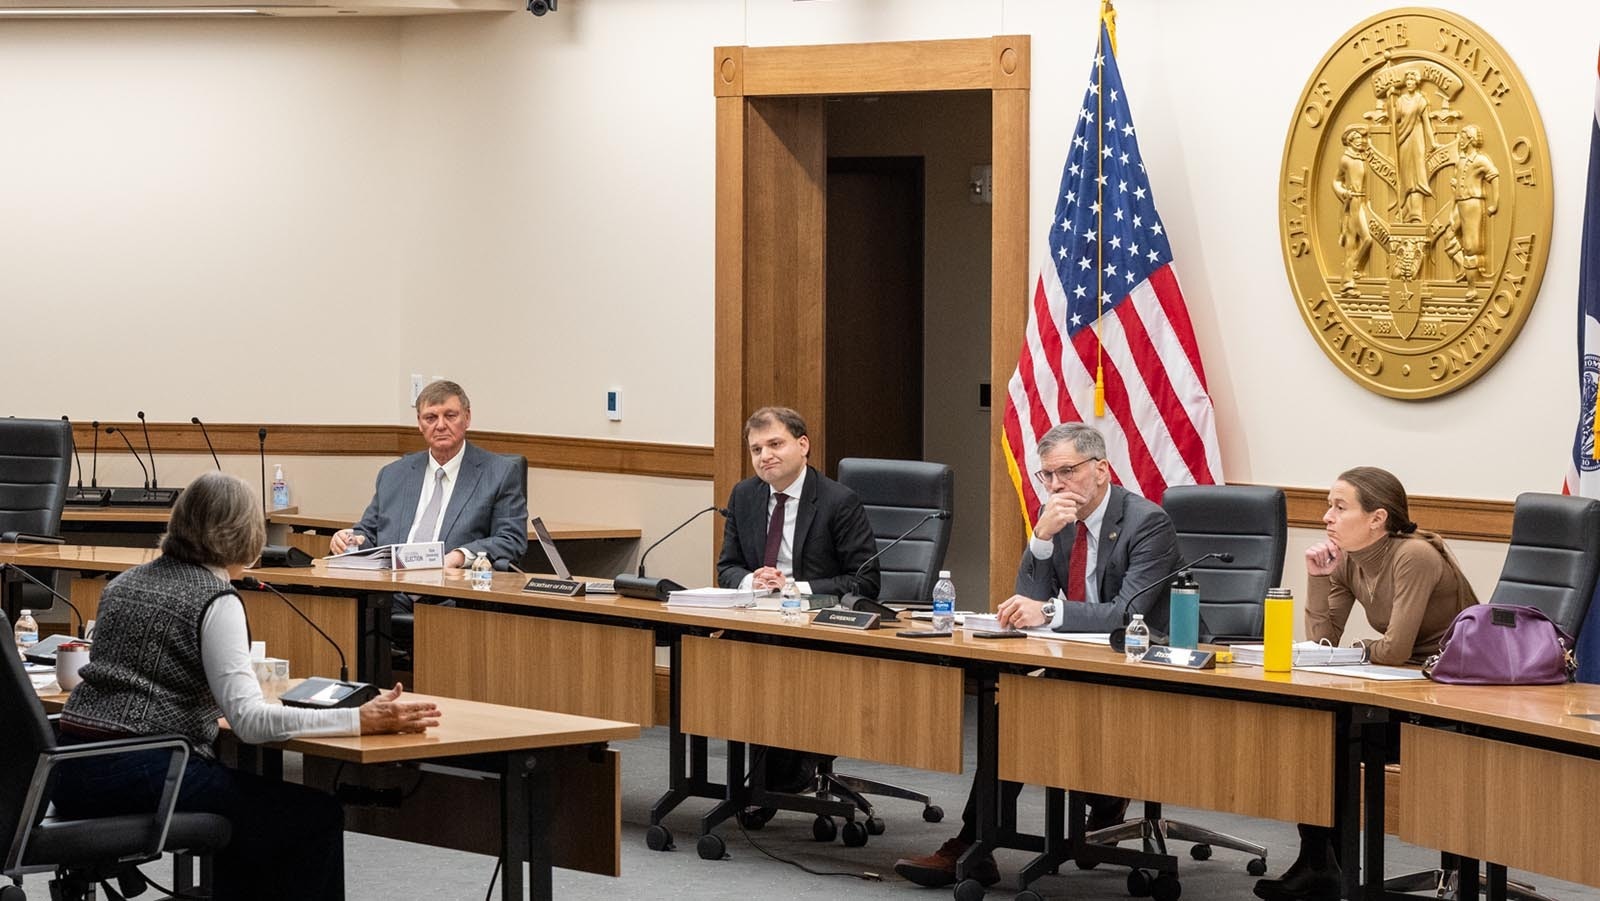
x,y
1008,299
288,636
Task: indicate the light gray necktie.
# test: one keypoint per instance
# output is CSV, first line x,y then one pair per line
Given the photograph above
x,y
430,516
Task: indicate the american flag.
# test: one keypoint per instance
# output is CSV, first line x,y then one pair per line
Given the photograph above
x,y
1583,470
1107,300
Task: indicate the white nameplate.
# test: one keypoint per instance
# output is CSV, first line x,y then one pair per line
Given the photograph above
x,y
419,555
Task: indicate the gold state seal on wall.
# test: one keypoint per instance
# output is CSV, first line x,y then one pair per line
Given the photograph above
x,y
1415,205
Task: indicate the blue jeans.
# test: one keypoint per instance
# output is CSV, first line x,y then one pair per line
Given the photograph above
x,y
288,840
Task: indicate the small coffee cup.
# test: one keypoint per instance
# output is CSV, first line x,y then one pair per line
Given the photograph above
x,y
70,658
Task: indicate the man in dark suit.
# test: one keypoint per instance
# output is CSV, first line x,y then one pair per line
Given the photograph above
x,y
1094,546
788,520
454,492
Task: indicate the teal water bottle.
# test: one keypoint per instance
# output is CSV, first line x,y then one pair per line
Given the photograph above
x,y
1183,625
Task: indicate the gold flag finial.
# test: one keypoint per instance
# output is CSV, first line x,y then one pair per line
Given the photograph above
x,y
1108,15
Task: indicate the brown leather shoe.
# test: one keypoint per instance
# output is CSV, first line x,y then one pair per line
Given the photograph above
x,y
939,868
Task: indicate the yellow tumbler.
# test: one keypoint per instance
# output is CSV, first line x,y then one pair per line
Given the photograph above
x,y
1278,634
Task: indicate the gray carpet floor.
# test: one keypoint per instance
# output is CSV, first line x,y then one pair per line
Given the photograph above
x,y
382,869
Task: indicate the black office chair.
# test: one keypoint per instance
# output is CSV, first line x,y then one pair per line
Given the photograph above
x,y
1552,564
403,625
897,495
35,467
1251,522
81,853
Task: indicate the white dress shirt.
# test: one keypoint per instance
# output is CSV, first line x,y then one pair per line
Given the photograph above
x,y
791,513
452,473
225,657
1043,550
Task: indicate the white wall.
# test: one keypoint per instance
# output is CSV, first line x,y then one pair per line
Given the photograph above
x,y
348,198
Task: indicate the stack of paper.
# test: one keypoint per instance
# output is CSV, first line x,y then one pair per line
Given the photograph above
x,y
1306,653
711,597
378,557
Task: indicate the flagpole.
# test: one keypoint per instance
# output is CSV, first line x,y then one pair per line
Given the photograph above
x,y
1106,16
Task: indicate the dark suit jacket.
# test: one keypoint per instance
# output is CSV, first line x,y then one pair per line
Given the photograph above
x,y
488,511
1137,546
831,537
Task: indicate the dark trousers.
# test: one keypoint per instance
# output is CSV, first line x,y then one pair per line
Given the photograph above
x,y
288,840
1100,806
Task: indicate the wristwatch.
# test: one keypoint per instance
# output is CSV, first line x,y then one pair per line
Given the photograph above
x,y
1049,609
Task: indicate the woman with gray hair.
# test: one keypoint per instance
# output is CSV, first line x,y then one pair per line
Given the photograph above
x,y
171,656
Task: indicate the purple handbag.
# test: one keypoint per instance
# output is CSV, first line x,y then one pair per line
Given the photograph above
x,y
1502,644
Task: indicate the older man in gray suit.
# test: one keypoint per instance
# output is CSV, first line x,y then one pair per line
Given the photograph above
x,y
454,492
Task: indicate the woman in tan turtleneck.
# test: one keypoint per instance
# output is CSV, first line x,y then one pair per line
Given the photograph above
x,y
1407,580
1411,587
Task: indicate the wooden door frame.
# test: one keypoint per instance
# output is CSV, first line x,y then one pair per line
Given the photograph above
x,y
998,64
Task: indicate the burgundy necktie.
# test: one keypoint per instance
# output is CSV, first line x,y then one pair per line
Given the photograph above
x,y
1078,565
774,531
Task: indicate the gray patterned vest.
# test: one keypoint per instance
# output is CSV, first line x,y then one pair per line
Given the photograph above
x,y
145,676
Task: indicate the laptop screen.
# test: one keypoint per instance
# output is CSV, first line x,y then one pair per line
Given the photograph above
x,y
549,545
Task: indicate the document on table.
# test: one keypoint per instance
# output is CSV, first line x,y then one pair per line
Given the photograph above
x,y
1306,653
711,597
1369,671
988,622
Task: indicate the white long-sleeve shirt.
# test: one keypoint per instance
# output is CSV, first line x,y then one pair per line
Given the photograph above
x,y
225,656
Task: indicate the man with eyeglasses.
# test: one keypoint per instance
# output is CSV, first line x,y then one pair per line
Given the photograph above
x,y
1094,546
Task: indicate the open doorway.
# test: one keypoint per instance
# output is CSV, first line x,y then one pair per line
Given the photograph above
x,y
907,306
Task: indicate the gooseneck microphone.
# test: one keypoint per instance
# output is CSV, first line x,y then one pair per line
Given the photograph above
x,y
1117,635
13,568
860,603
150,451
81,496
113,430
75,454
203,434
637,585
94,458
254,584
261,440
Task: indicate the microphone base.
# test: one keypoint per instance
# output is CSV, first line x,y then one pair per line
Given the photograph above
x,y
328,694
144,497
861,604
644,588
283,555
88,497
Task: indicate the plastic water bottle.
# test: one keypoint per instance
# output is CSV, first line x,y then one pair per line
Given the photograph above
x,y
944,602
280,488
1136,640
27,631
793,612
482,573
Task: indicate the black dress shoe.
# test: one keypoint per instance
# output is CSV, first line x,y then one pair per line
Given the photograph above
x,y
1105,812
1302,883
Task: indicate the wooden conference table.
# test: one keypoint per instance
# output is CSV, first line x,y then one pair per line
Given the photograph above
x,y
1055,713
555,798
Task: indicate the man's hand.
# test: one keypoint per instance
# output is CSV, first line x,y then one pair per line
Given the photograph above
x,y
341,541
767,577
387,713
1018,612
1060,511
1322,559
455,560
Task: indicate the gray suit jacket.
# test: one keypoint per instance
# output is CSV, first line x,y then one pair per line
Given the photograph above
x,y
1137,546
488,511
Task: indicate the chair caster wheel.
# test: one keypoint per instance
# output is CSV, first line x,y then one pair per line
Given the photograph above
x,y
711,847
756,817
1029,895
1200,852
12,893
933,813
1166,888
969,890
1257,866
874,825
659,838
823,829
1139,883
854,834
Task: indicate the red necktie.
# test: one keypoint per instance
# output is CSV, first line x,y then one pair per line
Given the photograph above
x,y
774,532
1078,565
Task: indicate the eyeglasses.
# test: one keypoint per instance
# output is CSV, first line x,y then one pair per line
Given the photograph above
x,y
1045,475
